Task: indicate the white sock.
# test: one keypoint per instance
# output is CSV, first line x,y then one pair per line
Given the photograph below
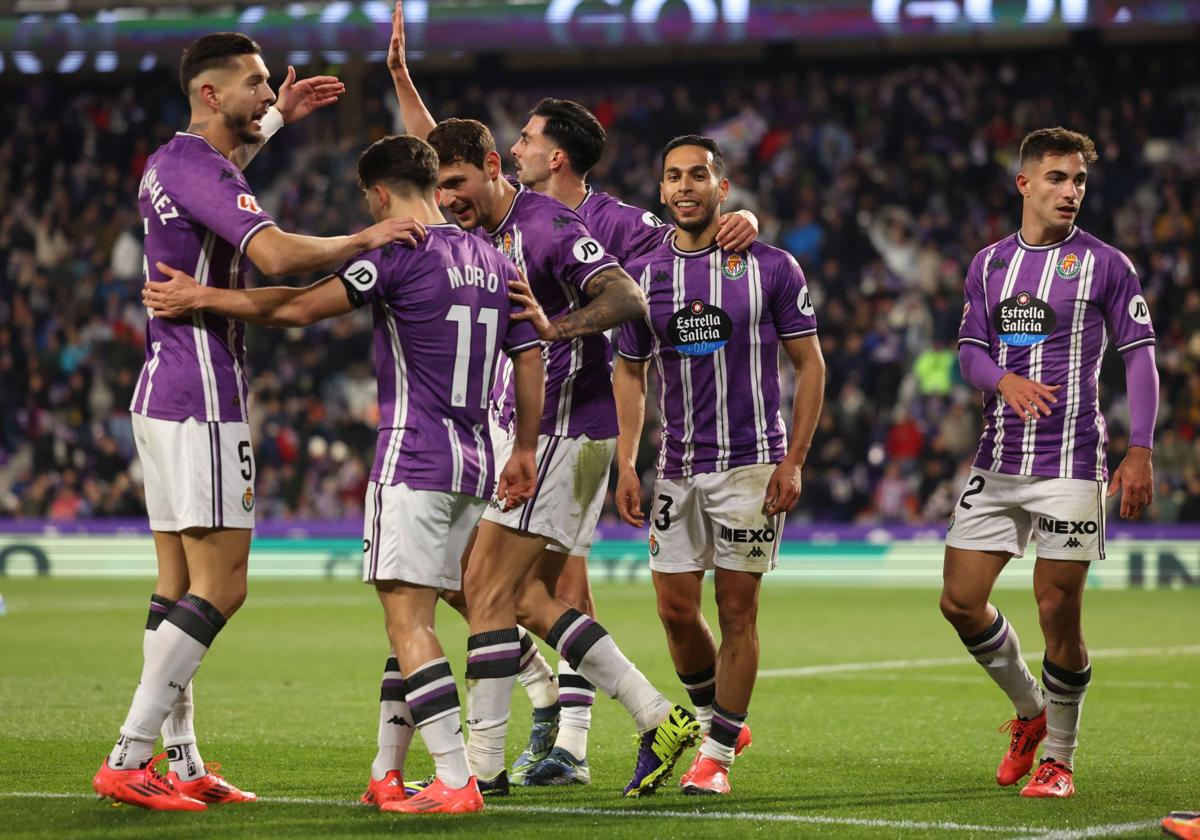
x,y
443,738
576,696
642,700
493,658
998,650
704,718
1065,691
395,723
535,674
178,730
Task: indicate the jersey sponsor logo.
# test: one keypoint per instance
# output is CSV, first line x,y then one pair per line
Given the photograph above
x,y
587,250
1138,310
1066,526
361,275
734,267
748,535
248,500
650,220
804,302
1068,267
653,546
247,202
1023,320
699,329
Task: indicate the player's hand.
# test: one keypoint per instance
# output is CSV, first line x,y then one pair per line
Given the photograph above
x,y
517,480
783,490
296,100
409,231
177,297
530,310
1135,477
629,497
395,56
1026,397
737,231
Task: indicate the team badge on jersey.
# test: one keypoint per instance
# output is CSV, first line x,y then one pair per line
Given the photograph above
x,y
699,329
1023,320
507,246
734,267
1068,267
248,500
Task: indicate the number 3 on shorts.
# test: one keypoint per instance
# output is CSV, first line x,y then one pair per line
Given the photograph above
x,y
664,513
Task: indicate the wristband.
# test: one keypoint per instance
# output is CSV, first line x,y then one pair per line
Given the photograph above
x,y
271,122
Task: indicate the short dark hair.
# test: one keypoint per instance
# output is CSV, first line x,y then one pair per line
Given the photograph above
x,y
209,51
574,129
402,162
1057,141
701,141
456,140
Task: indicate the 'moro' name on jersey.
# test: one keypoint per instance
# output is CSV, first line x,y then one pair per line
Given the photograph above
x,y
163,204
472,275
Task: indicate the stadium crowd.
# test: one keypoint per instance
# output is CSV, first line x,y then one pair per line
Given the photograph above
x,y
882,183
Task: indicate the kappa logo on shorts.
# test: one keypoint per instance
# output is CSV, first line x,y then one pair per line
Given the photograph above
x,y
248,500
757,552
1072,543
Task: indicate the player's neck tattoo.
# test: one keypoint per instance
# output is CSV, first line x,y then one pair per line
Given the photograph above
x,y
198,127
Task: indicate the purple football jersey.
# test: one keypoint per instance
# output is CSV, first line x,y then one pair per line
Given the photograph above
x,y
625,231
558,255
441,321
715,322
198,215
1046,313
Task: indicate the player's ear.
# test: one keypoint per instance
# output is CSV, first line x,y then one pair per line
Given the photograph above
x,y
1022,183
208,95
382,195
723,189
491,165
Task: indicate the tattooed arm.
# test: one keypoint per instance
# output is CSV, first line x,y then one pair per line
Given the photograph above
x,y
615,300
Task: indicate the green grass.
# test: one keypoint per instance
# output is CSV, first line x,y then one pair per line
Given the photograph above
x,y
287,702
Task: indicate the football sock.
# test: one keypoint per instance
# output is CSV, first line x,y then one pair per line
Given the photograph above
x,y
701,688
1065,691
591,652
493,658
433,698
173,653
535,675
998,650
178,733
576,696
723,736
395,723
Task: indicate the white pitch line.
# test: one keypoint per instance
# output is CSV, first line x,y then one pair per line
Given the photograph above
x,y
1114,830
734,816
898,664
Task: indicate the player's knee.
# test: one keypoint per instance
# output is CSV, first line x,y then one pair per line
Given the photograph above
x,y
1057,607
737,616
957,612
678,614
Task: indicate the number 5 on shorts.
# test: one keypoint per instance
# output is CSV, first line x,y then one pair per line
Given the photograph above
x,y
244,455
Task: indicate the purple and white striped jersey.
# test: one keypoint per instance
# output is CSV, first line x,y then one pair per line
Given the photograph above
x,y
198,215
715,322
556,252
441,319
623,230
1046,313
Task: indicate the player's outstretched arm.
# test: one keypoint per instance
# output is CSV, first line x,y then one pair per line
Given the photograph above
x,y
629,390
417,119
271,306
518,479
737,231
296,100
783,490
275,252
615,300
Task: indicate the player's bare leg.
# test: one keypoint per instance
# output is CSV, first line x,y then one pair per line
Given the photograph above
x,y
689,638
967,581
429,694
1066,672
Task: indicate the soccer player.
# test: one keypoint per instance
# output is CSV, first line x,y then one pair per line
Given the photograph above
x,y
441,317
1041,307
564,266
189,406
727,470
560,143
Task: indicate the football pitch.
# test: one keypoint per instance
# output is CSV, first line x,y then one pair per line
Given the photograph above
x,y
869,719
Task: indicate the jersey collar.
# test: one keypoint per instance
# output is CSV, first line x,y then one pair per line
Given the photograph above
x,y
512,207
1052,245
679,252
201,138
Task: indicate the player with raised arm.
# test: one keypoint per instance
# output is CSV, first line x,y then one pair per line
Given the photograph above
x,y
441,319
1041,307
559,144
727,472
189,406
564,266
